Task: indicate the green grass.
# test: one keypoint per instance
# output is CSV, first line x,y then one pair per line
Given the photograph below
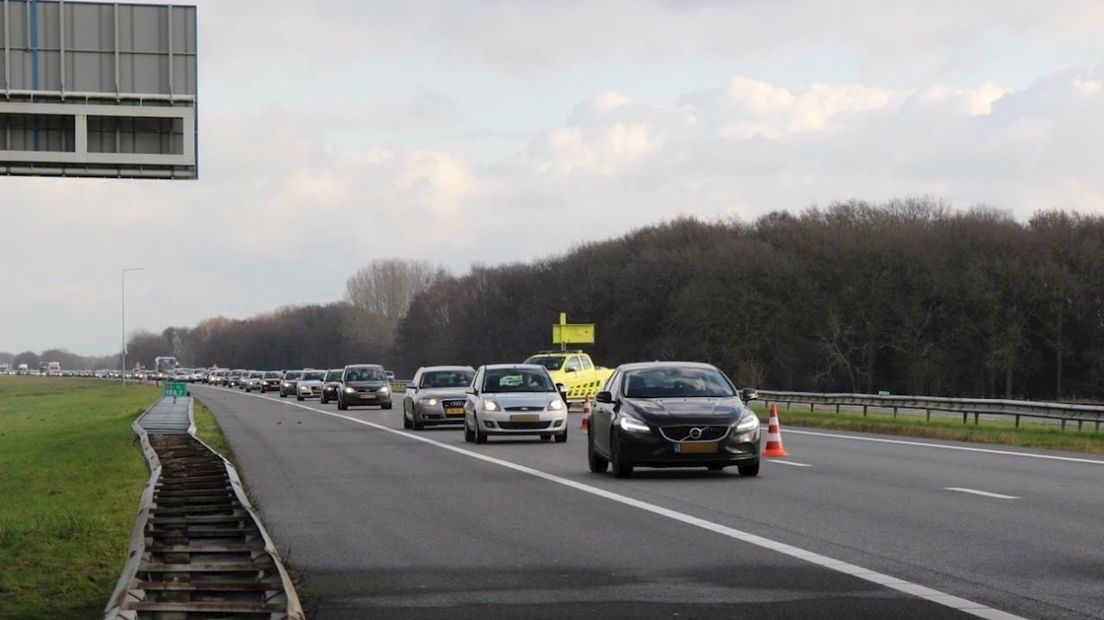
x,y
70,478
207,429
1029,435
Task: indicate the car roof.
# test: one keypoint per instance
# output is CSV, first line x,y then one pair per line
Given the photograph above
x,y
657,364
363,366
444,368
517,366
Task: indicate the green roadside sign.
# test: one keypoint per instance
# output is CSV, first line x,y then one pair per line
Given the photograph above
x,y
174,389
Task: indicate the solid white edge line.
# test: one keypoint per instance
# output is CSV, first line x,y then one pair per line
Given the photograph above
x,y
793,463
945,447
907,587
977,492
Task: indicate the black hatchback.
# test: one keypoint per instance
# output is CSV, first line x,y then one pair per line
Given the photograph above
x,y
672,414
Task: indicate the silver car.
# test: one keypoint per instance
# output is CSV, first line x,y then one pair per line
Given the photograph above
x,y
310,384
436,395
254,381
514,399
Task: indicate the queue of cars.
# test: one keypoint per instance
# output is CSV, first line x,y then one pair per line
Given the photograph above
x,y
653,414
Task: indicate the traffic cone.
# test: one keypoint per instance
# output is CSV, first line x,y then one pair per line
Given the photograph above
x,y
585,424
774,435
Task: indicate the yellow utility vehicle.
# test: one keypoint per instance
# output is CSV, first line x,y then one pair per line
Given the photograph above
x,y
575,371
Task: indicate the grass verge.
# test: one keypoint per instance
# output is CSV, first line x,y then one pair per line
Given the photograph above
x,y
70,478
208,431
1029,435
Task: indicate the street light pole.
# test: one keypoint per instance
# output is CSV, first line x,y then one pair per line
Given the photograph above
x,y
122,314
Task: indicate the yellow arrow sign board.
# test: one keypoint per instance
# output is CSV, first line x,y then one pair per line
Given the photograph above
x,y
578,333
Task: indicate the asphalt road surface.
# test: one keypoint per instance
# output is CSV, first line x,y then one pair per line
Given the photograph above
x,y
385,523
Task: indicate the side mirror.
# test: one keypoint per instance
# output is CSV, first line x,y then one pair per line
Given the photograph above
x,y
604,397
412,387
473,392
749,394
566,370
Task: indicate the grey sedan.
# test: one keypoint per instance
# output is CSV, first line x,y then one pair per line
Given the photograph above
x,y
436,395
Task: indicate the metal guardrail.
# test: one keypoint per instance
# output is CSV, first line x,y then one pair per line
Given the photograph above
x,y
1063,412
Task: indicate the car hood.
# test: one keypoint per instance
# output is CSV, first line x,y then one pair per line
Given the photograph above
x,y
440,393
311,382
369,384
688,410
521,399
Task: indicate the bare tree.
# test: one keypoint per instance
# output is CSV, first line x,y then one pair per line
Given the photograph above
x,y
380,294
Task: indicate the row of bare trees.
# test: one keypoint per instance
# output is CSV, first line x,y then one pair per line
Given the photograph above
x,y
908,296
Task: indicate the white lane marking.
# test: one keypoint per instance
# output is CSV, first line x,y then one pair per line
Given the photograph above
x,y
794,463
923,444
924,592
977,492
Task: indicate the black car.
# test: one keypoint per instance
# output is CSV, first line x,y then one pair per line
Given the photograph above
x,y
290,383
364,384
331,384
271,381
672,414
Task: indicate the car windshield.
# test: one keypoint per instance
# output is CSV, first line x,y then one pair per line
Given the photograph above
x,y
446,379
551,362
677,382
334,375
313,376
295,374
365,374
517,380
272,375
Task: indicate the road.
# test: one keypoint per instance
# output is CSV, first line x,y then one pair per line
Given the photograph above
x,y
394,523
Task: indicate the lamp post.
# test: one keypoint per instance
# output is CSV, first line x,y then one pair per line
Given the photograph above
x,y
122,315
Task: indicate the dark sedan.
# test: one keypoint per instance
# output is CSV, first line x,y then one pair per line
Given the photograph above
x,y
364,384
672,414
331,385
290,384
272,380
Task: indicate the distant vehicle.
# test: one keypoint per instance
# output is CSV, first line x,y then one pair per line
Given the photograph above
x,y
53,368
43,368
364,384
514,399
271,381
574,370
331,385
436,395
390,375
219,377
22,370
672,414
5,369
310,384
181,375
234,378
287,386
164,367
254,381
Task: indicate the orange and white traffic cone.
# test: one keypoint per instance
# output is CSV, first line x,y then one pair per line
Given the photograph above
x,y
585,424
774,435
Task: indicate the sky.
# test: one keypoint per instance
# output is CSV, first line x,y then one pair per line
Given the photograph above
x,y
491,131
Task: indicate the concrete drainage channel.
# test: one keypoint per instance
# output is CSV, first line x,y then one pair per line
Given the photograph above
x,y
198,550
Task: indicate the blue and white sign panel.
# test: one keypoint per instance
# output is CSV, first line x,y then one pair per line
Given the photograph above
x,y
98,89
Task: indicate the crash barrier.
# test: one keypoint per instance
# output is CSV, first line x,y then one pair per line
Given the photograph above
x,y
976,407
198,549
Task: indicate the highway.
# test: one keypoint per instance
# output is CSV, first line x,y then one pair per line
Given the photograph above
x,y
390,523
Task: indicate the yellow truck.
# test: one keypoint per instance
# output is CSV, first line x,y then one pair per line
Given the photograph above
x,y
575,370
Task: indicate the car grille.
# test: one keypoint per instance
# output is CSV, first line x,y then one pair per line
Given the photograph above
x,y
367,390
453,403
686,432
523,426
524,408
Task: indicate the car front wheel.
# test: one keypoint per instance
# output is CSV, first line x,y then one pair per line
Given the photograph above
x,y
621,467
749,470
598,463
469,434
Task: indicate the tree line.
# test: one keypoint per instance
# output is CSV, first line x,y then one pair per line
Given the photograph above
x,y
908,296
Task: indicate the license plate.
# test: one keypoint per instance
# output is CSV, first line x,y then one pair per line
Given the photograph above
x,y
454,411
528,417
367,397
696,448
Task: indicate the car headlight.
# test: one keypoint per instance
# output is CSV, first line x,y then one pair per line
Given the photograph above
x,y
632,425
490,405
384,390
432,402
556,405
350,390
749,422
286,384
